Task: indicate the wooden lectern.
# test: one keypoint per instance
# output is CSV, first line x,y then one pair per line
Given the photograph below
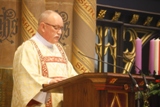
x,y
98,90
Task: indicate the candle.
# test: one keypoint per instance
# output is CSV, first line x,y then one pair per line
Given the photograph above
x,y
138,57
151,57
159,59
156,51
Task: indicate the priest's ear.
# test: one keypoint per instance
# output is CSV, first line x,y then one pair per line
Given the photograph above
x,y
42,26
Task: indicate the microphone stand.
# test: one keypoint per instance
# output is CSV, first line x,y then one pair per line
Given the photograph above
x,y
102,61
145,96
140,71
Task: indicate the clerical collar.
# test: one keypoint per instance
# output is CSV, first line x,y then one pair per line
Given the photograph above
x,y
38,37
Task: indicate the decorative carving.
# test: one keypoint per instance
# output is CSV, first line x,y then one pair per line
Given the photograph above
x,y
134,19
148,21
126,87
109,48
116,99
158,24
101,14
113,80
116,16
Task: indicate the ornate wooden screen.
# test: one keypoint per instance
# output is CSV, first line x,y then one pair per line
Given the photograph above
x,y
117,29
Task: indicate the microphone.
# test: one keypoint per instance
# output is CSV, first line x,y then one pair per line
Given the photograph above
x,y
141,72
133,80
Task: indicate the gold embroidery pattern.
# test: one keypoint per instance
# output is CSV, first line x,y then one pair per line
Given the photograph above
x,y
54,59
62,53
44,70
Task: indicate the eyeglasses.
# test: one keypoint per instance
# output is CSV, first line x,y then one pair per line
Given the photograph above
x,y
57,28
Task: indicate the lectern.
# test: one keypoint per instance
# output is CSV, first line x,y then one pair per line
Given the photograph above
x,y
98,90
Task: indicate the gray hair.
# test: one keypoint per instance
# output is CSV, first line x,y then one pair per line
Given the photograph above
x,y
45,15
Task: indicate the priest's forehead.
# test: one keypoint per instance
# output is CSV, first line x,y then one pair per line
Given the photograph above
x,y
48,15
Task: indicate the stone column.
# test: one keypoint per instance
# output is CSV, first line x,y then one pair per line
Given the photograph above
x,y
84,25
31,10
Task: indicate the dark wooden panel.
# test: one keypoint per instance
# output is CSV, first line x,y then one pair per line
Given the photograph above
x,y
145,5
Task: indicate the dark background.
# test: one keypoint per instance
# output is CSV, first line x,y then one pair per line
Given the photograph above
x,y
144,5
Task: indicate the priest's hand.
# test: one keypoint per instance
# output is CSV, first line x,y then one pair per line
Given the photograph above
x,y
56,79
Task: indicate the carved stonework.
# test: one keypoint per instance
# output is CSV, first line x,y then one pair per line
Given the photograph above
x,y
148,21
116,16
134,19
101,14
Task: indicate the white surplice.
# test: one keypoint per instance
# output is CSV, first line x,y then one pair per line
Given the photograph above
x,y
35,61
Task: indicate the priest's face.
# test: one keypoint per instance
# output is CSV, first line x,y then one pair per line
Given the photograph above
x,y
54,28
